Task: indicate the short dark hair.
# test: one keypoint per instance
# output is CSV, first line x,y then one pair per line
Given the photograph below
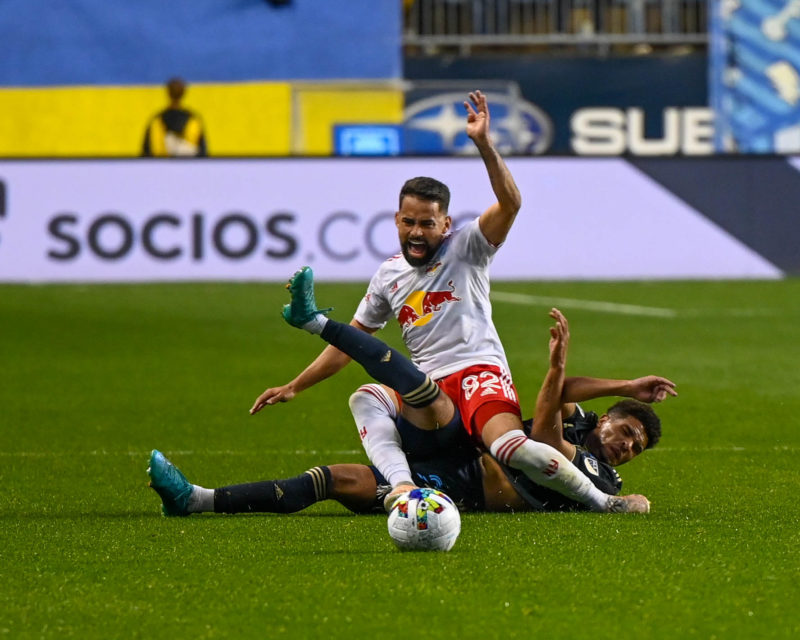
x,y
428,189
643,413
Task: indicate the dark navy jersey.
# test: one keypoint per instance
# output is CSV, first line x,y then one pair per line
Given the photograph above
x,y
579,425
602,475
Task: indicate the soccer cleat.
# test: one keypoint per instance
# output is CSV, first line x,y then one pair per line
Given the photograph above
x,y
394,494
170,484
303,308
628,504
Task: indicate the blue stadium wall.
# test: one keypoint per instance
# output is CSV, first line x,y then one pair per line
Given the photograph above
x,y
81,78
86,42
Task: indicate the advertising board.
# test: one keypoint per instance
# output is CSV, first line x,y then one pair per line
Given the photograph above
x,y
151,220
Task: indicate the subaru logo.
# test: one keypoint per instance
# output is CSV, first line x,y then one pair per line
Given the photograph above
x,y
437,125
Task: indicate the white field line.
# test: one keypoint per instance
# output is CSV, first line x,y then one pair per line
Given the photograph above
x,y
350,452
602,306
590,305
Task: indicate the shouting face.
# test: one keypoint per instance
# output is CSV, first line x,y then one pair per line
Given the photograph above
x,y
421,227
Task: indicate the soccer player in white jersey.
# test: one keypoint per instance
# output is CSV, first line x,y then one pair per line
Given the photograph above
x,y
438,289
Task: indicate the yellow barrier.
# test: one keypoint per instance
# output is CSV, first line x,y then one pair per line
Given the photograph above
x,y
318,108
242,119
258,119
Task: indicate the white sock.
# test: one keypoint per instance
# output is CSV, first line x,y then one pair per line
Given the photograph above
x,y
548,467
374,413
316,325
201,500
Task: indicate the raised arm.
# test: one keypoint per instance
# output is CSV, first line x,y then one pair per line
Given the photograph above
x,y
326,364
547,426
496,221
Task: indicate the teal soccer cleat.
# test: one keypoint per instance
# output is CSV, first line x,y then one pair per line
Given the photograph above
x,y
303,308
170,484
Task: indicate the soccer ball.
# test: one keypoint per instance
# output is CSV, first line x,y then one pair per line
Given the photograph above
x,y
424,520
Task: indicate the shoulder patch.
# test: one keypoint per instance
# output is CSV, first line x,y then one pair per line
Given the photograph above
x,y
591,465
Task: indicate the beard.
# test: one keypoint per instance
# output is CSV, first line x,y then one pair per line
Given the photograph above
x,y
418,261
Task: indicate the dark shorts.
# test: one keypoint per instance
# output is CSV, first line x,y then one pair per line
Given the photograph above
x,y
460,476
449,441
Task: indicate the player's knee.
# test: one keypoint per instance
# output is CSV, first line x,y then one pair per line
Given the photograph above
x,y
373,397
496,426
358,398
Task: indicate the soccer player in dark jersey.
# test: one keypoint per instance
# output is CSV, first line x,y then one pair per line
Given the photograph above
x,y
472,479
594,445
590,443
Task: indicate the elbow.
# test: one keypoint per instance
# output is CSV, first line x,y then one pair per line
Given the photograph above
x,y
513,209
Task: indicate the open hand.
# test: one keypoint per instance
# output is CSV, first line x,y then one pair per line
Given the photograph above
x,y
559,339
272,396
651,389
477,117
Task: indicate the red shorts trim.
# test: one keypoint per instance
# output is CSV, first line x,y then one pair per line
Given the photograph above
x,y
477,386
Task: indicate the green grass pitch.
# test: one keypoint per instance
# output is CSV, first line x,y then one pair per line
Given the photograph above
x,y
93,377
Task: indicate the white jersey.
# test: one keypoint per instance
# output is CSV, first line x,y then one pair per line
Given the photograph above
x,y
443,307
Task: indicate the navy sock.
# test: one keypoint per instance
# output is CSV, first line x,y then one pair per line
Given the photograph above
x,y
275,496
386,365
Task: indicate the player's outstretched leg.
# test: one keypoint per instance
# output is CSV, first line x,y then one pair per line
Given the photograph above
x,y
170,484
548,467
302,311
385,364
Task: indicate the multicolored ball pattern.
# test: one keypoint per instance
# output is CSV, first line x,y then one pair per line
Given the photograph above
x,y
424,519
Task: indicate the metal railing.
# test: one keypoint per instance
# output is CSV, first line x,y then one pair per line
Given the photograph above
x,y
436,25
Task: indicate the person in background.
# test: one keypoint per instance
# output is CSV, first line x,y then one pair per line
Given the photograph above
x,y
175,131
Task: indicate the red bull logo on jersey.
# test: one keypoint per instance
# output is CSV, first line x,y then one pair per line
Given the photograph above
x,y
420,307
433,268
